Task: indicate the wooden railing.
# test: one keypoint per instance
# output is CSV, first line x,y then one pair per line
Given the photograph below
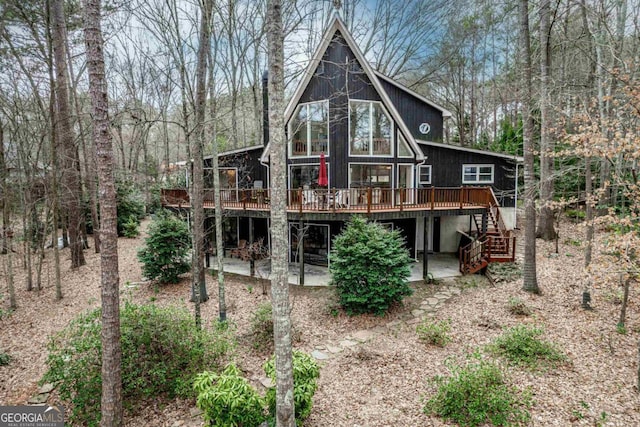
x,y
355,200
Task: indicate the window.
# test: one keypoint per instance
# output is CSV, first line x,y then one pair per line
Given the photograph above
x,y
369,129
425,175
369,175
309,130
304,176
403,147
228,178
477,174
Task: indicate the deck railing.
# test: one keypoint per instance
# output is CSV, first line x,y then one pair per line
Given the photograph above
x,y
356,200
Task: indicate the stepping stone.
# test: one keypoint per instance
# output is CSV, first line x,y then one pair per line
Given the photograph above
x,y
394,323
417,313
455,291
363,335
320,347
46,388
266,382
195,412
347,343
334,349
431,301
38,399
414,321
442,296
318,355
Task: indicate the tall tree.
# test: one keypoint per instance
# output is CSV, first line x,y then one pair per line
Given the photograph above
x,y
111,403
285,416
530,283
4,202
546,228
197,143
71,171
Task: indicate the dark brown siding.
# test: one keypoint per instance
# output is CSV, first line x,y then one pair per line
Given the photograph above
x,y
249,167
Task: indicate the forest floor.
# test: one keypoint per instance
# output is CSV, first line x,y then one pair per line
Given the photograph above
x,y
374,370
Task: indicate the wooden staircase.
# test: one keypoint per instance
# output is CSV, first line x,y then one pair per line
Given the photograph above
x,y
493,241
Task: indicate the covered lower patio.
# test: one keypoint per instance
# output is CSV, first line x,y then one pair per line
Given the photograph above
x,y
440,266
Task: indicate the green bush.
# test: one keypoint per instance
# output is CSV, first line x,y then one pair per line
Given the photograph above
x,y
576,215
162,351
5,359
131,228
130,205
165,255
369,267
261,329
521,345
434,333
227,399
477,393
305,374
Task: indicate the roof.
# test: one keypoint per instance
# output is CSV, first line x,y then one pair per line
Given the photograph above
x,y
338,25
445,112
236,151
517,159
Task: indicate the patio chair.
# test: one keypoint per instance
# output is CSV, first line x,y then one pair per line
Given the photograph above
x,y
342,198
309,198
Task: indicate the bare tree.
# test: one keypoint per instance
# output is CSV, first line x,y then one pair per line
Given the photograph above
x,y
65,133
530,283
285,416
111,402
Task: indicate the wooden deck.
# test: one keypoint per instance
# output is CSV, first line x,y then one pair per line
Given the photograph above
x,y
346,201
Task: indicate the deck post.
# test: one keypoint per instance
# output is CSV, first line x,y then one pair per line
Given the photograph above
x,y
484,222
301,251
461,197
433,197
300,199
368,199
252,262
425,252
402,198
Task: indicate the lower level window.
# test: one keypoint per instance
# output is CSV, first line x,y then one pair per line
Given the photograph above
x,y
477,174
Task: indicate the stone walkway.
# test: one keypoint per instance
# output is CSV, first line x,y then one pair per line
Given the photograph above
x,y
428,308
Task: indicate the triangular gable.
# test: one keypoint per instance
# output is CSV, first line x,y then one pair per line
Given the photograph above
x,y
337,25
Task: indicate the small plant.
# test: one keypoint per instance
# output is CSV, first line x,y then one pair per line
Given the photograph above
x,y
227,399
305,374
573,242
261,328
130,228
621,329
130,205
521,345
162,352
5,359
369,266
434,333
165,254
575,214
518,307
478,393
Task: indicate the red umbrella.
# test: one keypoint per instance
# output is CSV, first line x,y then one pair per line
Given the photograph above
x,y
323,181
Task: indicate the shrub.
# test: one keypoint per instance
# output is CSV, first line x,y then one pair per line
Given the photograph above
x,y
520,345
434,333
576,215
130,205
227,399
162,351
261,329
305,374
5,359
165,255
369,267
478,393
131,228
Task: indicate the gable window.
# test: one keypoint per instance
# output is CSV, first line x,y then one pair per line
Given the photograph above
x,y
477,174
369,129
309,130
424,177
403,147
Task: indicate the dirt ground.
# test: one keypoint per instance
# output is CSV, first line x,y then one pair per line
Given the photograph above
x,y
383,380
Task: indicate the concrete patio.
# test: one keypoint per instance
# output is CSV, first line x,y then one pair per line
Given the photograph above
x,y
441,265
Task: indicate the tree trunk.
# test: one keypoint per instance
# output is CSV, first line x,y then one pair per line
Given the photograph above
x,y
111,403
285,416
530,283
4,200
70,168
197,144
546,228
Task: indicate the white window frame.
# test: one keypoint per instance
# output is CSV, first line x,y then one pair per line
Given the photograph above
x,y
477,173
290,143
420,181
392,138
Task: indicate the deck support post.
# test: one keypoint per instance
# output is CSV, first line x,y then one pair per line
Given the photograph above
x,y
301,251
484,222
425,252
252,262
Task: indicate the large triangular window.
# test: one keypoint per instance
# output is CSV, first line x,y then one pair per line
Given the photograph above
x,y
370,129
309,130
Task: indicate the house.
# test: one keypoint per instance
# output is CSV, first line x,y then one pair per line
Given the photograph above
x,y
381,148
